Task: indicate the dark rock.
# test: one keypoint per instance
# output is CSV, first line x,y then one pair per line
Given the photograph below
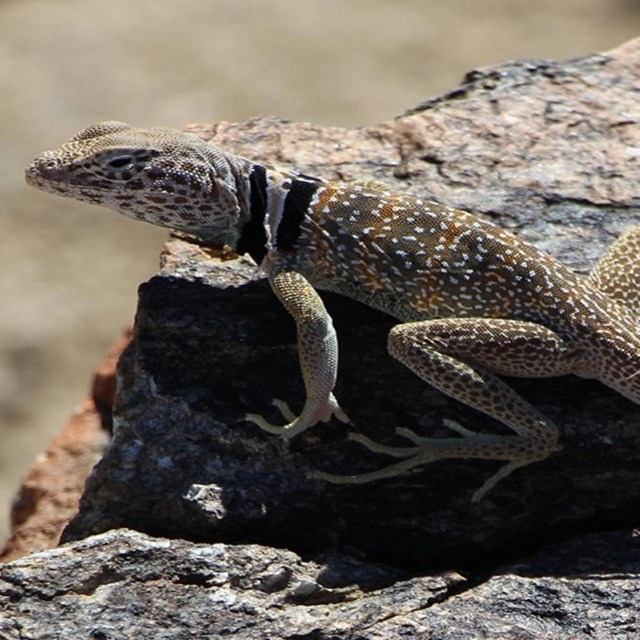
x,y
212,342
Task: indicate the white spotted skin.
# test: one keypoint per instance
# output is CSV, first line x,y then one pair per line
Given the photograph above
x,y
472,300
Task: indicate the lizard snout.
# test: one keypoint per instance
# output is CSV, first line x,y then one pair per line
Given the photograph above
x,y
44,166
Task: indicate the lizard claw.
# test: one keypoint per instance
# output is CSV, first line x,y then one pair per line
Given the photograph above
x,y
297,424
265,425
284,408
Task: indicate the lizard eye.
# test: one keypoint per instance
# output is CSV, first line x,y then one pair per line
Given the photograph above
x,y
120,162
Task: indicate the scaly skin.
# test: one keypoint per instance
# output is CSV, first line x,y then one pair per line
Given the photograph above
x,y
472,300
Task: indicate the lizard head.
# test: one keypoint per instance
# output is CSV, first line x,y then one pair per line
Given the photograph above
x,y
166,177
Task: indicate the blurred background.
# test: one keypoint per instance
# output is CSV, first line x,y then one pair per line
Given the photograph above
x,y
70,271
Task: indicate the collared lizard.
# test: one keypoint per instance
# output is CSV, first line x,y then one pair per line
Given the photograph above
x,y
473,300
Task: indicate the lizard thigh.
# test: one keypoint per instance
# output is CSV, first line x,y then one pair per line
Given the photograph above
x,y
458,356
505,347
618,272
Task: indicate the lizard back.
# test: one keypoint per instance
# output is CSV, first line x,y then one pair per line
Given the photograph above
x,y
417,259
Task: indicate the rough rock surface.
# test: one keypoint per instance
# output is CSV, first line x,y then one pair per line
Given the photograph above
x,y
124,584
548,149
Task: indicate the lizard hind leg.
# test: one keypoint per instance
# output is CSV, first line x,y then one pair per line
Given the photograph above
x,y
440,352
618,271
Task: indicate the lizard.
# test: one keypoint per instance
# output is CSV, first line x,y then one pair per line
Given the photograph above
x,y
473,301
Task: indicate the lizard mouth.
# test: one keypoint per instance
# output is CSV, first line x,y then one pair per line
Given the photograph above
x,y
47,174
51,181
33,175
34,178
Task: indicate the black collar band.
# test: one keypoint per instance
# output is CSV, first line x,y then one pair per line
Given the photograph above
x,y
296,208
253,237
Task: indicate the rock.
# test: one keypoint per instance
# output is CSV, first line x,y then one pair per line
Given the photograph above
x,y
123,584
548,149
212,342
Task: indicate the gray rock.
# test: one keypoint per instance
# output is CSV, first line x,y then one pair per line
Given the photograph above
x,y
124,584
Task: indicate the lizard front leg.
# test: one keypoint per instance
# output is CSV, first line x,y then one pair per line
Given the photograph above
x,y
317,353
457,357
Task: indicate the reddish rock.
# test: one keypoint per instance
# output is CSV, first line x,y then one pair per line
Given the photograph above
x,y
49,496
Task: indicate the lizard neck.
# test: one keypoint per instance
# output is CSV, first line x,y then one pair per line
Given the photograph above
x,y
278,205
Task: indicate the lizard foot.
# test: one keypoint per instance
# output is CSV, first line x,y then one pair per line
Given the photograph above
x,y
426,450
399,468
391,471
297,424
421,443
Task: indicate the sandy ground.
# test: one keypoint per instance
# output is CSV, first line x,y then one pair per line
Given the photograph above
x,y
70,271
